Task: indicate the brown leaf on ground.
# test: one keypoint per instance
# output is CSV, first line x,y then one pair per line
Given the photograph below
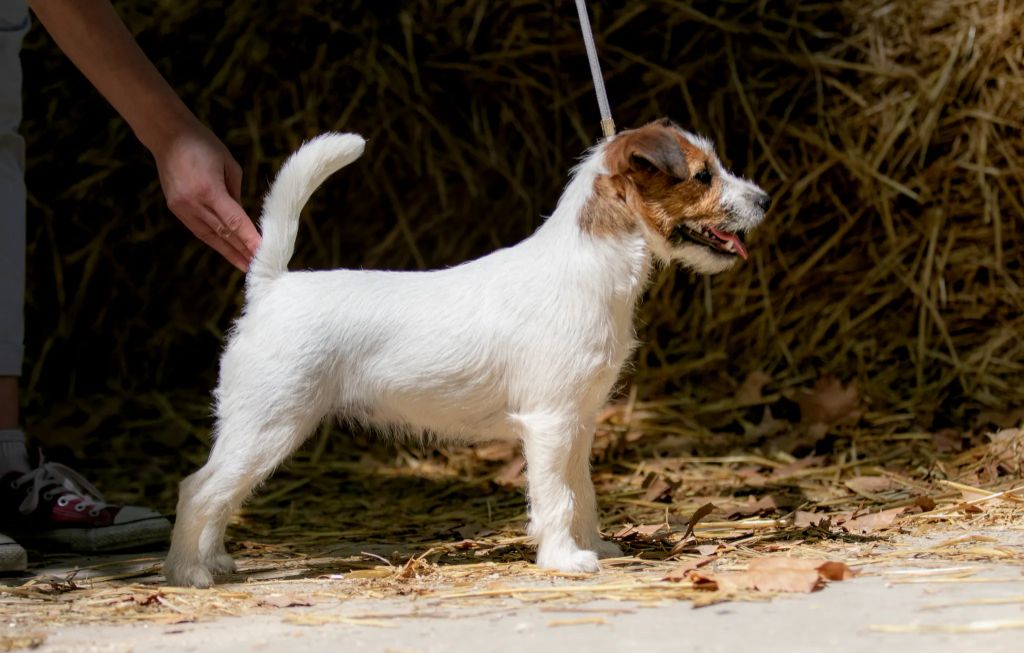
x,y
768,425
765,505
871,484
926,504
805,519
657,488
749,392
969,508
683,570
828,569
752,476
780,580
647,533
796,466
775,575
828,403
698,515
875,521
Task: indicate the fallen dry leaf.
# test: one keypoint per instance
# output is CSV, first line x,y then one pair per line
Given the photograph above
x,y
659,489
874,521
827,404
796,466
765,505
774,575
682,571
750,391
768,425
648,532
828,569
804,519
698,515
926,504
871,484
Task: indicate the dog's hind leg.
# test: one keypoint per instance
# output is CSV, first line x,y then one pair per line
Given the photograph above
x,y
558,481
242,457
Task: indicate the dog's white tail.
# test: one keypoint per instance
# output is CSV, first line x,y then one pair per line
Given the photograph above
x,y
300,175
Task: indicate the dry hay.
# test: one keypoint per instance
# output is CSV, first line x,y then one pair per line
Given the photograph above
x,y
874,333
441,529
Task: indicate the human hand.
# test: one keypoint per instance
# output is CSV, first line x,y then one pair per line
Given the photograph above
x,y
202,184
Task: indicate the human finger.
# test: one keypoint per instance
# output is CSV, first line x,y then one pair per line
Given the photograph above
x,y
204,224
234,224
233,179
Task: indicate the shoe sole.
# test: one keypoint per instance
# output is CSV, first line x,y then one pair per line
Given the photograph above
x,y
13,557
145,532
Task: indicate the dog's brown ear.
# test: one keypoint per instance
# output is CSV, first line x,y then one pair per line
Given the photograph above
x,y
652,149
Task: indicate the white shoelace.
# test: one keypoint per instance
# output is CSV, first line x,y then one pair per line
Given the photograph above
x,y
48,473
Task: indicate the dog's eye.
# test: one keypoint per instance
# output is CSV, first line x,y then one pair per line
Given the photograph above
x,y
704,177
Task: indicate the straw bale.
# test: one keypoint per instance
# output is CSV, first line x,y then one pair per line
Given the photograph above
x,y
889,134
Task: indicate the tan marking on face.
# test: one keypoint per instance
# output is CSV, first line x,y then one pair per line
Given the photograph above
x,y
651,173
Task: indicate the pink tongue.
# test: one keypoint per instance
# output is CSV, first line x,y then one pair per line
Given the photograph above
x,y
733,238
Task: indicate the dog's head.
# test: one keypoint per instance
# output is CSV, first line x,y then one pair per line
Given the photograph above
x,y
690,207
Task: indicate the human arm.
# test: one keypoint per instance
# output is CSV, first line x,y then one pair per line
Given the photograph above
x,y
200,179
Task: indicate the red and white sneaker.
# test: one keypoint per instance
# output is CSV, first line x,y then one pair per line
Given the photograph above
x,y
53,507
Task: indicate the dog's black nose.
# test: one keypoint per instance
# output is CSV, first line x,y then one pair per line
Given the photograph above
x,y
765,201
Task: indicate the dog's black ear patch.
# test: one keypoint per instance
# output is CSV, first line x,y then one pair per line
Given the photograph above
x,y
658,150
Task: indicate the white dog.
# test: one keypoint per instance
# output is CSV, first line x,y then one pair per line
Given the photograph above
x,y
524,343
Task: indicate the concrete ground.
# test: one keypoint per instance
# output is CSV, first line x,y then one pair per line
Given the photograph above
x,y
929,606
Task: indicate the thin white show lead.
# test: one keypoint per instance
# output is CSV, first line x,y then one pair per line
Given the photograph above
x,y
607,124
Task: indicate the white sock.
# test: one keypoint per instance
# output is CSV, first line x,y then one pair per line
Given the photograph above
x,y
13,454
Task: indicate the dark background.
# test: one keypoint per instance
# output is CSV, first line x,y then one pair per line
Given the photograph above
x,y
888,133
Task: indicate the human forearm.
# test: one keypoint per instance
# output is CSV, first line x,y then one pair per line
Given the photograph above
x,y
200,179
93,36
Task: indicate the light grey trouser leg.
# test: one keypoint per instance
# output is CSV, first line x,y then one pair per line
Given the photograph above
x,y
14,23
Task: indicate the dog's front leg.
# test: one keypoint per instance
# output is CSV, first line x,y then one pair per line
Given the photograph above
x,y
585,528
560,491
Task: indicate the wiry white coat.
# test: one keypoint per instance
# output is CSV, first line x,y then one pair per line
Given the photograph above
x,y
523,343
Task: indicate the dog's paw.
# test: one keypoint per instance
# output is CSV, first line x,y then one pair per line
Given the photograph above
x,y
606,549
193,575
573,561
221,563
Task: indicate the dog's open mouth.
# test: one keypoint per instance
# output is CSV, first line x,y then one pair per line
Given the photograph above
x,y
726,242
